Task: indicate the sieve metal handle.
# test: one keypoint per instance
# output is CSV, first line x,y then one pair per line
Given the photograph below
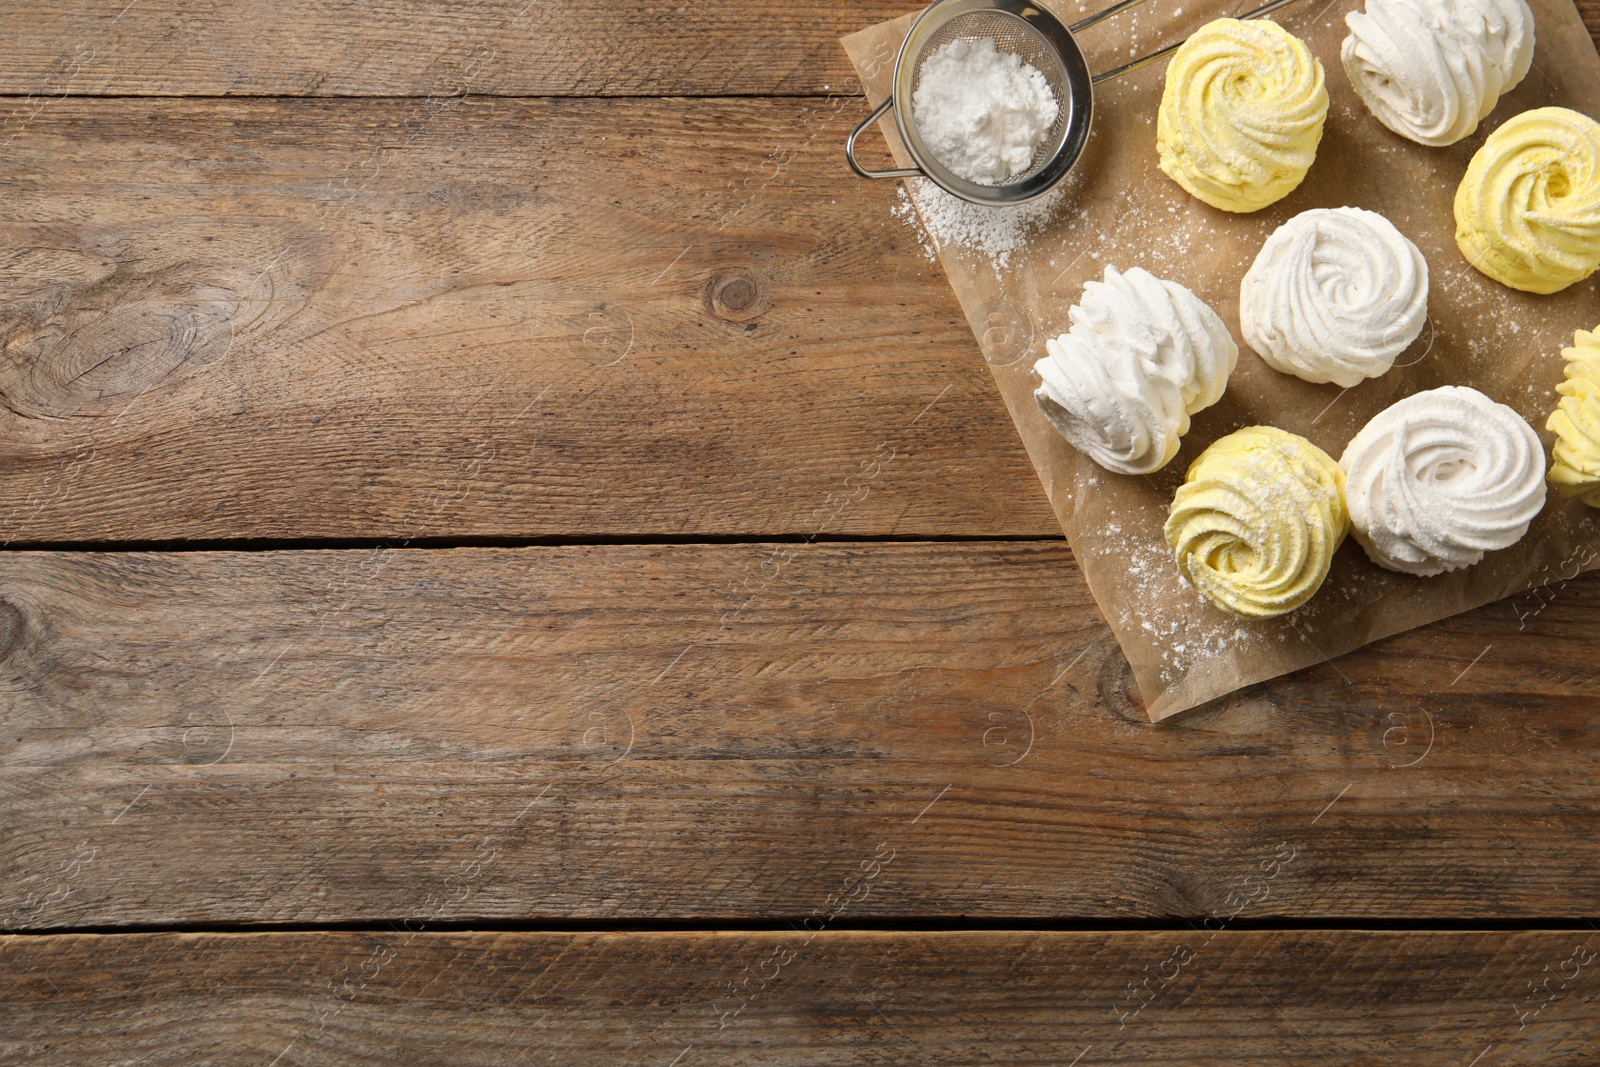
x,y
1100,16
1144,61
850,148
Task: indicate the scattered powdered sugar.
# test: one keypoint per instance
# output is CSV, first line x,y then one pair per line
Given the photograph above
x,y
980,111
994,232
906,213
1180,629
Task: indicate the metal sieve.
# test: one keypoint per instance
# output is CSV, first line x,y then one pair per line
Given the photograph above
x,y
1037,38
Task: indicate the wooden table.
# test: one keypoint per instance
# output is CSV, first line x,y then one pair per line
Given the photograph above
x,y
514,557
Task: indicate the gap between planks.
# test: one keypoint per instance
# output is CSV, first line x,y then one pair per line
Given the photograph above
x,y
930,924
418,544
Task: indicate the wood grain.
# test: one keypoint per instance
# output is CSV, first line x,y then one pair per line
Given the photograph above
x,y
429,47
688,999
327,319
437,48
737,731
297,319
471,318
1590,12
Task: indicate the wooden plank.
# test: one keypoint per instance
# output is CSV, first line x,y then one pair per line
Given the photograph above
x,y
437,48
741,731
328,319
781,997
331,319
1590,11
428,47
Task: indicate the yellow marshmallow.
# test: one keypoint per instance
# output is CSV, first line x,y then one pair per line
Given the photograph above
x,y
1242,114
1575,469
1255,525
1528,208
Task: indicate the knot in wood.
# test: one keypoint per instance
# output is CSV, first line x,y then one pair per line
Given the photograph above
x,y
13,629
1118,690
87,359
737,296
91,318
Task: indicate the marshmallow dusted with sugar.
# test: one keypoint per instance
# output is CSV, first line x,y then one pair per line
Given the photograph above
x,y
1256,522
1334,296
1575,460
1528,208
1143,355
1241,114
1441,477
1431,70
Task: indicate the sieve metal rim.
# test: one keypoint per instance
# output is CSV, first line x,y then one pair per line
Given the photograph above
x,y
1063,150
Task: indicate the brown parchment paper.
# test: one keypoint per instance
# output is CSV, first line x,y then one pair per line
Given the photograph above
x,y
1118,209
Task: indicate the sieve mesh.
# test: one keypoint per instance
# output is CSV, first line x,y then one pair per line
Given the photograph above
x,y
1010,34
